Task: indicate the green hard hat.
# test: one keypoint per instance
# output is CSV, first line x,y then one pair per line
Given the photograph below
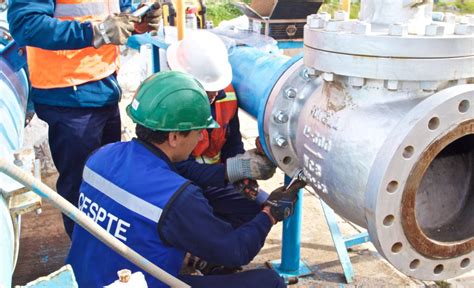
x,y
171,101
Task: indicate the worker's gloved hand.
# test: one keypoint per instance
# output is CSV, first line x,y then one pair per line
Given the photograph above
x,y
282,202
115,29
150,22
248,188
250,165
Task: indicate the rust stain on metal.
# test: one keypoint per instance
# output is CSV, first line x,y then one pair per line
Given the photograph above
x,y
417,238
337,96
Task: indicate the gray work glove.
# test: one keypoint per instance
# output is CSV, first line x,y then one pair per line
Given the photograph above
x,y
250,165
115,29
150,22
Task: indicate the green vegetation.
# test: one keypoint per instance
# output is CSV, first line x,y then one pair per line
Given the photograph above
x,y
218,11
460,6
331,6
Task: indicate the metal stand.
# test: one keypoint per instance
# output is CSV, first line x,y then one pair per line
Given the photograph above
x,y
290,264
341,243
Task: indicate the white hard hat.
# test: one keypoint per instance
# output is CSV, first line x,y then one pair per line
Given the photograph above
x,y
203,55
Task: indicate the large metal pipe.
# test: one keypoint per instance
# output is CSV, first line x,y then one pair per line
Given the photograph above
x,y
255,73
379,117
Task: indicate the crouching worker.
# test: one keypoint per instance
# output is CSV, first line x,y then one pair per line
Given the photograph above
x,y
219,159
133,191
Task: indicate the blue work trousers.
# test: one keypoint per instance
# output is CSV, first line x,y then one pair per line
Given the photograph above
x,y
231,206
73,134
259,278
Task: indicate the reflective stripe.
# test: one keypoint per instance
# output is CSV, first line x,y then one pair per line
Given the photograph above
x,y
92,8
230,96
79,10
203,159
121,196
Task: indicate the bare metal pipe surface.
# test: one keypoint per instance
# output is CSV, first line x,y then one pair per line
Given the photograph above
x,y
87,223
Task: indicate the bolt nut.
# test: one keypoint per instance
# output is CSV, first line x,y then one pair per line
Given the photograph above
x,y
392,85
428,86
470,19
308,73
325,16
334,26
437,16
434,30
461,81
361,28
317,23
291,92
281,142
398,29
449,18
463,20
309,17
21,52
329,77
281,117
356,82
463,29
341,16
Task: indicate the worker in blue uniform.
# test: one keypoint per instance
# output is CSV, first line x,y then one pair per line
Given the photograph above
x,y
72,52
204,55
133,191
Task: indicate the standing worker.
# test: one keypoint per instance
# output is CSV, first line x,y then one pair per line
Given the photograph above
x,y
133,191
73,60
219,158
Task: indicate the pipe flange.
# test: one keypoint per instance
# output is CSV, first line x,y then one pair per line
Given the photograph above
x,y
419,214
363,39
358,49
286,100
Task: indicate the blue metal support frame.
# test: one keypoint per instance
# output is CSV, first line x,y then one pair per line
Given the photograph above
x,y
341,243
290,264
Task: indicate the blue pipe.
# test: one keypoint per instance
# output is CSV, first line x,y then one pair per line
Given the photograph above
x,y
255,73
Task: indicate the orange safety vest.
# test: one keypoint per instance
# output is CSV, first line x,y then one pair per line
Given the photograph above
x,y
208,150
74,67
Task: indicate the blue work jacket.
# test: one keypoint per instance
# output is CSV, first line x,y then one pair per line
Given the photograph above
x,y
132,190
